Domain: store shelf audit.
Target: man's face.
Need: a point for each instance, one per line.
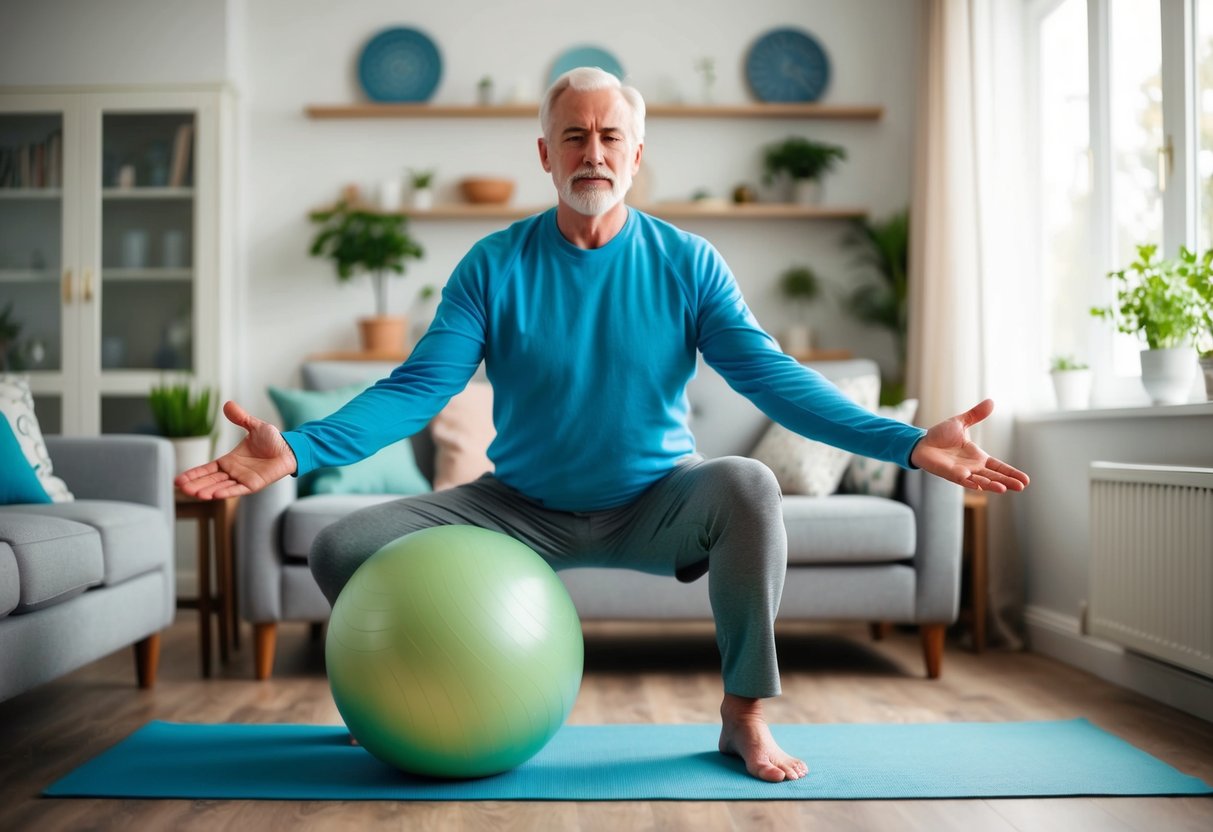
(591, 153)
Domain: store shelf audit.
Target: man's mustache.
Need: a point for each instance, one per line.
(595, 173)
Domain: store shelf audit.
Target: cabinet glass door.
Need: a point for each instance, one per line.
(147, 225)
(31, 234)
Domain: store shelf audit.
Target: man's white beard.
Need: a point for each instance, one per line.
(595, 202)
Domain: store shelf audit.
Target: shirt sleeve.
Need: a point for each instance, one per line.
(795, 396)
(398, 406)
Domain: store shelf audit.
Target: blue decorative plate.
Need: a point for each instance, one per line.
(399, 64)
(585, 56)
(787, 65)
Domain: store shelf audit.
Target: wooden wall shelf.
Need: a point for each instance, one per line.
(812, 111)
(665, 210)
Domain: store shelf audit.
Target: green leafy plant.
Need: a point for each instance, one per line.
(358, 240)
(1198, 271)
(882, 254)
(424, 178)
(1062, 363)
(800, 284)
(800, 158)
(180, 412)
(1160, 299)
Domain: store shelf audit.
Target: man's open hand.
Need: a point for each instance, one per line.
(947, 452)
(261, 458)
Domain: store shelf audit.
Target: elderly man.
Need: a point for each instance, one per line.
(588, 318)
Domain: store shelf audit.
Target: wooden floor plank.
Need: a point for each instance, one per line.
(635, 672)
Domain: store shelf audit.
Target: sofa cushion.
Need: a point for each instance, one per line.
(56, 558)
(390, 470)
(462, 432)
(17, 409)
(806, 466)
(308, 515)
(10, 580)
(134, 537)
(875, 477)
(848, 529)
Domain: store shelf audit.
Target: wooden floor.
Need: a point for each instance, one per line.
(631, 675)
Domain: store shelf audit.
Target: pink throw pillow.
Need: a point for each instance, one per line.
(462, 433)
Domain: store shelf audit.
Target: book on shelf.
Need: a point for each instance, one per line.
(33, 165)
(183, 143)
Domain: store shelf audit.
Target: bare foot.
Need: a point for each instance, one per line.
(744, 733)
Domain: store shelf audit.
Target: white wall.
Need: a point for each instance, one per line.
(115, 42)
(1052, 524)
(306, 52)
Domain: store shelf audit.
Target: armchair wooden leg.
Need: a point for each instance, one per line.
(879, 629)
(265, 636)
(147, 660)
(932, 647)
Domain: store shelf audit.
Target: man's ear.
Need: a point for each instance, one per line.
(543, 156)
(636, 161)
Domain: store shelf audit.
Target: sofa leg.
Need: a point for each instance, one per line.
(932, 647)
(879, 629)
(265, 636)
(147, 660)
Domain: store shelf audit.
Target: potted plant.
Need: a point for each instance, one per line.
(802, 161)
(187, 419)
(1071, 382)
(882, 250)
(1156, 300)
(1200, 278)
(423, 188)
(800, 285)
(484, 91)
(357, 241)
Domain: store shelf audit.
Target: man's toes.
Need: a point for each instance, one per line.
(769, 772)
(794, 769)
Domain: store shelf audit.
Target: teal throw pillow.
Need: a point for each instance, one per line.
(18, 482)
(391, 470)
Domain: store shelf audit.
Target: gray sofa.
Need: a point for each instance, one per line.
(851, 557)
(82, 579)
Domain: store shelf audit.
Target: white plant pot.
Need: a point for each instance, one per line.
(1072, 388)
(190, 452)
(423, 199)
(807, 192)
(797, 338)
(1167, 374)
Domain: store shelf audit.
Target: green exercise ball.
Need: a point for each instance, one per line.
(454, 652)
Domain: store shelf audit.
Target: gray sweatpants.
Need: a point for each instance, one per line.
(719, 516)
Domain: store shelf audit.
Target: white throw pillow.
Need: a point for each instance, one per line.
(872, 476)
(806, 466)
(17, 408)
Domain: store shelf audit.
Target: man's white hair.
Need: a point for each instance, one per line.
(586, 79)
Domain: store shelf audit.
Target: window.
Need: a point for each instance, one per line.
(1123, 157)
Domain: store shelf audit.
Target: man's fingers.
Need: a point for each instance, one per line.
(1012, 477)
(238, 416)
(977, 413)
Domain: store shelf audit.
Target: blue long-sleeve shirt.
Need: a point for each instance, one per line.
(589, 352)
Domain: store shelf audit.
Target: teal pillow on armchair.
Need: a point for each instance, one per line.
(391, 470)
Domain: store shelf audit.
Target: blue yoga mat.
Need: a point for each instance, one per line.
(638, 762)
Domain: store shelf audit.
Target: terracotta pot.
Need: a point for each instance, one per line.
(383, 333)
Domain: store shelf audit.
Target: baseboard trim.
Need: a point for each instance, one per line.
(1060, 637)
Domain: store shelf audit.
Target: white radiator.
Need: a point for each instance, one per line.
(1151, 581)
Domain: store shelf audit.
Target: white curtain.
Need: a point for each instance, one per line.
(974, 329)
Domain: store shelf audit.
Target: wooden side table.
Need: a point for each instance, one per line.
(221, 515)
(973, 563)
